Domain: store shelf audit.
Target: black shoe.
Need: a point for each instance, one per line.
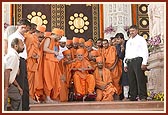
(91, 97)
(78, 97)
(143, 100)
(133, 99)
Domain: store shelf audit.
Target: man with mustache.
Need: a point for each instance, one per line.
(11, 87)
(135, 61)
(23, 26)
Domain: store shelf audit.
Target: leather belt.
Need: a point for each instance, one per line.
(131, 60)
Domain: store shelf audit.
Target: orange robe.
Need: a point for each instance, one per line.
(110, 55)
(66, 72)
(83, 81)
(40, 69)
(86, 53)
(93, 64)
(73, 52)
(28, 40)
(32, 63)
(100, 51)
(106, 81)
(52, 73)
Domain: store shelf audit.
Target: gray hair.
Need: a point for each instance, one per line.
(14, 42)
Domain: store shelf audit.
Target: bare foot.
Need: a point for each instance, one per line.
(125, 99)
(49, 100)
(55, 101)
(37, 98)
(31, 101)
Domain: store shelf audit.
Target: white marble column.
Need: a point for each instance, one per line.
(156, 77)
(156, 13)
(6, 13)
(119, 16)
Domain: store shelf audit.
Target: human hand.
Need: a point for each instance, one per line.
(56, 53)
(73, 60)
(63, 78)
(18, 73)
(20, 90)
(5, 93)
(35, 56)
(103, 87)
(126, 69)
(144, 67)
(81, 69)
(122, 48)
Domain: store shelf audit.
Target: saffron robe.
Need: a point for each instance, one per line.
(109, 57)
(66, 73)
(52, 73)
(83, 81)
(105, 81)
(32, 63)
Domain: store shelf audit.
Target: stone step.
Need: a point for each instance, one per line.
(101, 106)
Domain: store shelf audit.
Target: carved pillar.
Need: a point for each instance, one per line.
(156, 73)
(6, 13)
(156, 18)
(156, 58)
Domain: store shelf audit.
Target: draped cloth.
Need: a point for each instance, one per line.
(83, 81)
(32, 63)
(52, 73)
(66, 73)
(110, 58)
(106, 93)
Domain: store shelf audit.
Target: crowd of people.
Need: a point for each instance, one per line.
(48, 67)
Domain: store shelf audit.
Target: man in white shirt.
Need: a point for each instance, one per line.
(23, 26)
(11, 65)
(62, 47)
(135, 63)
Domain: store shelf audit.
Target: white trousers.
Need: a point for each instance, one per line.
(126, 90)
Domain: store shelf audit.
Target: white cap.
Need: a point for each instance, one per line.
(63, 39)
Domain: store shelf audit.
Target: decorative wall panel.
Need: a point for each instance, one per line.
(60, 16)
(95, 15)
(81, 20)
(77, 20)
(18, 10)
(143, 20)
(35, 13)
